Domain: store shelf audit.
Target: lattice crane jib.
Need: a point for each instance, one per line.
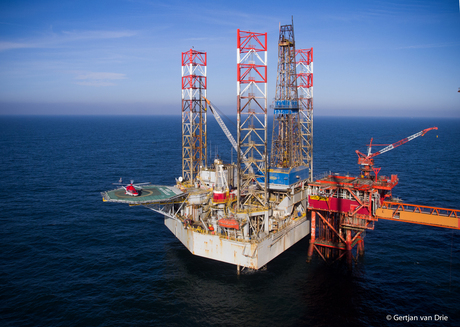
(286, 143)
(252, 119)
(304, 65)
(194, 113)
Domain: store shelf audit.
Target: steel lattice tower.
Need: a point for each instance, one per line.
(194, 149)
(305, 91)
(252, 118)
(286, 144)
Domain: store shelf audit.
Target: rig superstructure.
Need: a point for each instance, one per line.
(248, 213)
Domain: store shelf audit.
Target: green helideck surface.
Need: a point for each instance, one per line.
(148, 194)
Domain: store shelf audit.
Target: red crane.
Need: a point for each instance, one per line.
(367, 161)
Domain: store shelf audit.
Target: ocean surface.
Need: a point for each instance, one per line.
(69, 259)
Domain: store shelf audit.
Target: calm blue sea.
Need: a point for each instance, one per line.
(68, 259)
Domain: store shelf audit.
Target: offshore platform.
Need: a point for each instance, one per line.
(250, 212)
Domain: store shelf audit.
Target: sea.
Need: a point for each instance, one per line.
(69, 259)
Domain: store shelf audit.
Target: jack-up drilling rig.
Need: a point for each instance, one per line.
(275, 202)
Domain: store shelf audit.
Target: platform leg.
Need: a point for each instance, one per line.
(312, 235)
(348, 248)
(361, 247)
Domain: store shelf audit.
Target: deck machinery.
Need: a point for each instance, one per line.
(248, 213)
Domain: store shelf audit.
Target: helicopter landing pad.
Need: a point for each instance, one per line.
(148, 194)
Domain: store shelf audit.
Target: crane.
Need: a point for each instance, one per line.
(367, 161)
(222, 124)
(227, 132)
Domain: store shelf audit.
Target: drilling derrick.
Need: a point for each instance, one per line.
(304, 59)
(193, 114)
(252, 119)
(286, 144)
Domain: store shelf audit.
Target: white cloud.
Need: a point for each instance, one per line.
(98, 78)
(57, 39)
(85, 35)
(14, 45)
(433, 45)
(96, 83)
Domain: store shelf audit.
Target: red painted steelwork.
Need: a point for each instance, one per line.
(336, 205)
(304, 56)
(346, 208)
(195, 58)
(250, 41)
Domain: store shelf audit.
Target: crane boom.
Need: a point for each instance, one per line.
(367, 161)
(226, 131)
(222, 124)
(401, 142)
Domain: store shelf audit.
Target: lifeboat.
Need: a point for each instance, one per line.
(229, 223)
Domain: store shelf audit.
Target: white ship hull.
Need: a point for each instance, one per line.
(247, 254)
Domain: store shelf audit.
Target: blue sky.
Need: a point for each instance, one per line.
(371, 58)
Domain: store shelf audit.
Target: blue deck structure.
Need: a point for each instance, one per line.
(284, 178)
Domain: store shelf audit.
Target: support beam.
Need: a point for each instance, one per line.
(312, 235)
